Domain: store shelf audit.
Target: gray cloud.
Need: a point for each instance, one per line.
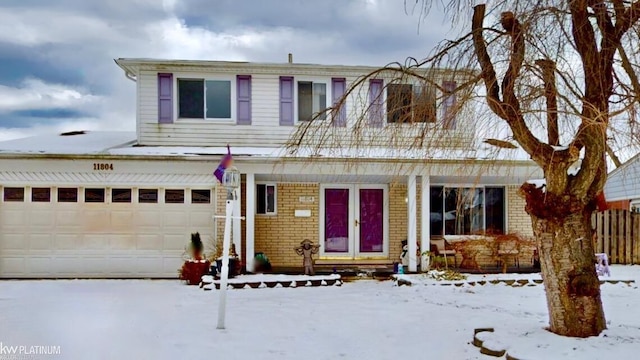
(69, 45)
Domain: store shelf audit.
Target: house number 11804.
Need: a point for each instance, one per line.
(102, 166)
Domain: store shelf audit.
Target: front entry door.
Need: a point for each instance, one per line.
(354, 221)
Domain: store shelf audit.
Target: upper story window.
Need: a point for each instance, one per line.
(312, 99)
(409, 103)
(204, 99)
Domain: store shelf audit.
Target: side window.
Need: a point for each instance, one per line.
(148, 196)
(174, 196)
(94, 195)
(266, 199)
(40, 194)
(201, 196)
(120, 195)
(13, 194)
(67, 195)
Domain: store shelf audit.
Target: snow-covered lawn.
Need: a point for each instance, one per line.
(367, 319)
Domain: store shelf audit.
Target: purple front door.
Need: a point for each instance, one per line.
(336, 220)
(354, 221)
(371, 220)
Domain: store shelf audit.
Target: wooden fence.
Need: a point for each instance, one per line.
(618, 235)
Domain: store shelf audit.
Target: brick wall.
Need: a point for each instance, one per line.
(277, 235)
(517, 219)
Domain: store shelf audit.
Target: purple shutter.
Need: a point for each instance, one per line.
(165, 98)
(375, 102)
(338, 88)
(286, 100)
(244, 99)
(449, 108)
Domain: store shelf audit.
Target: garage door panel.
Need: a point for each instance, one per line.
(95, 266)
(149, 241)
(13, 216)
(176, 242)
(40, 265)
(66, 241)
(122, 242)
(42, 218)
(10, 241)
(175, 218)
(122, 221)
(41, 242)
(67, 266)
(13, 266)
(70, 218)
(148, 265)
(148, 218)
(95, 242)
(201, 218)
(170, 265)
(96, 221)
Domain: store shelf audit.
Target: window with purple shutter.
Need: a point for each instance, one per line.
(338, 88)
(165, 98)
(449, 105)
(286, 100)
(244, 99)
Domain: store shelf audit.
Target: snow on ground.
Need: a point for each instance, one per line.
(365, 319)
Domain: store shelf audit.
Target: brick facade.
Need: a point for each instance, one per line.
(277, 235)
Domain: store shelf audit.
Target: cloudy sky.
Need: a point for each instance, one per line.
(58, 73)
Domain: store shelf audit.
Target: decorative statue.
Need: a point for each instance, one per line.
(306, 250)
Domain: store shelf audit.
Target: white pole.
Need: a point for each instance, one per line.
(225, 260)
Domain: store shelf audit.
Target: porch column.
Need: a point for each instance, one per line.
(425, 220)
(237, 229)
(250, 217)
(412, 223)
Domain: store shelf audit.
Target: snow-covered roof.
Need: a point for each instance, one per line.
(124, 144)
(72, 143)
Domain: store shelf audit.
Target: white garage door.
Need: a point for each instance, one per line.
(99, 232)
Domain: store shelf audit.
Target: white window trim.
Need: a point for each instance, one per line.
(275, 199)
(191, 76)
(324, 80)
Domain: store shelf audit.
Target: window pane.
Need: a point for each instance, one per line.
(40, 195)
(13, 194)
(320, 100)
(218, 99)
(67, 195)
(436, 210)
(174, 196)
(191, 99)
(148, 196)
(305, 100)
(424, 106)
(121, 195)
(494, 198)
(94, 195)
(399, 103)
(200, 196)
(464, 211)
(271, 199)
(261, 206)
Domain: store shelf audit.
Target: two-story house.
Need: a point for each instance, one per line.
(92, 204)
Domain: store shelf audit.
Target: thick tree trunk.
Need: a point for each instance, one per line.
(568, 270)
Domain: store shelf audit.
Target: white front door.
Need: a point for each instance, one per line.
(354, 221)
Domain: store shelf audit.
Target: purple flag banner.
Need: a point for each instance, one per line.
(224, 164)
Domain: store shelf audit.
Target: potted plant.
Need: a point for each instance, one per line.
(195, 265)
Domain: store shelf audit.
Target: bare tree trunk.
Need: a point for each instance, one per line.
(568, 270)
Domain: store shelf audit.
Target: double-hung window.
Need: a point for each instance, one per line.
(409, 103)
(205, 98)
(312, 100)
(467, 211)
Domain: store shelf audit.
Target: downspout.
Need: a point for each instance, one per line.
(130, 76)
